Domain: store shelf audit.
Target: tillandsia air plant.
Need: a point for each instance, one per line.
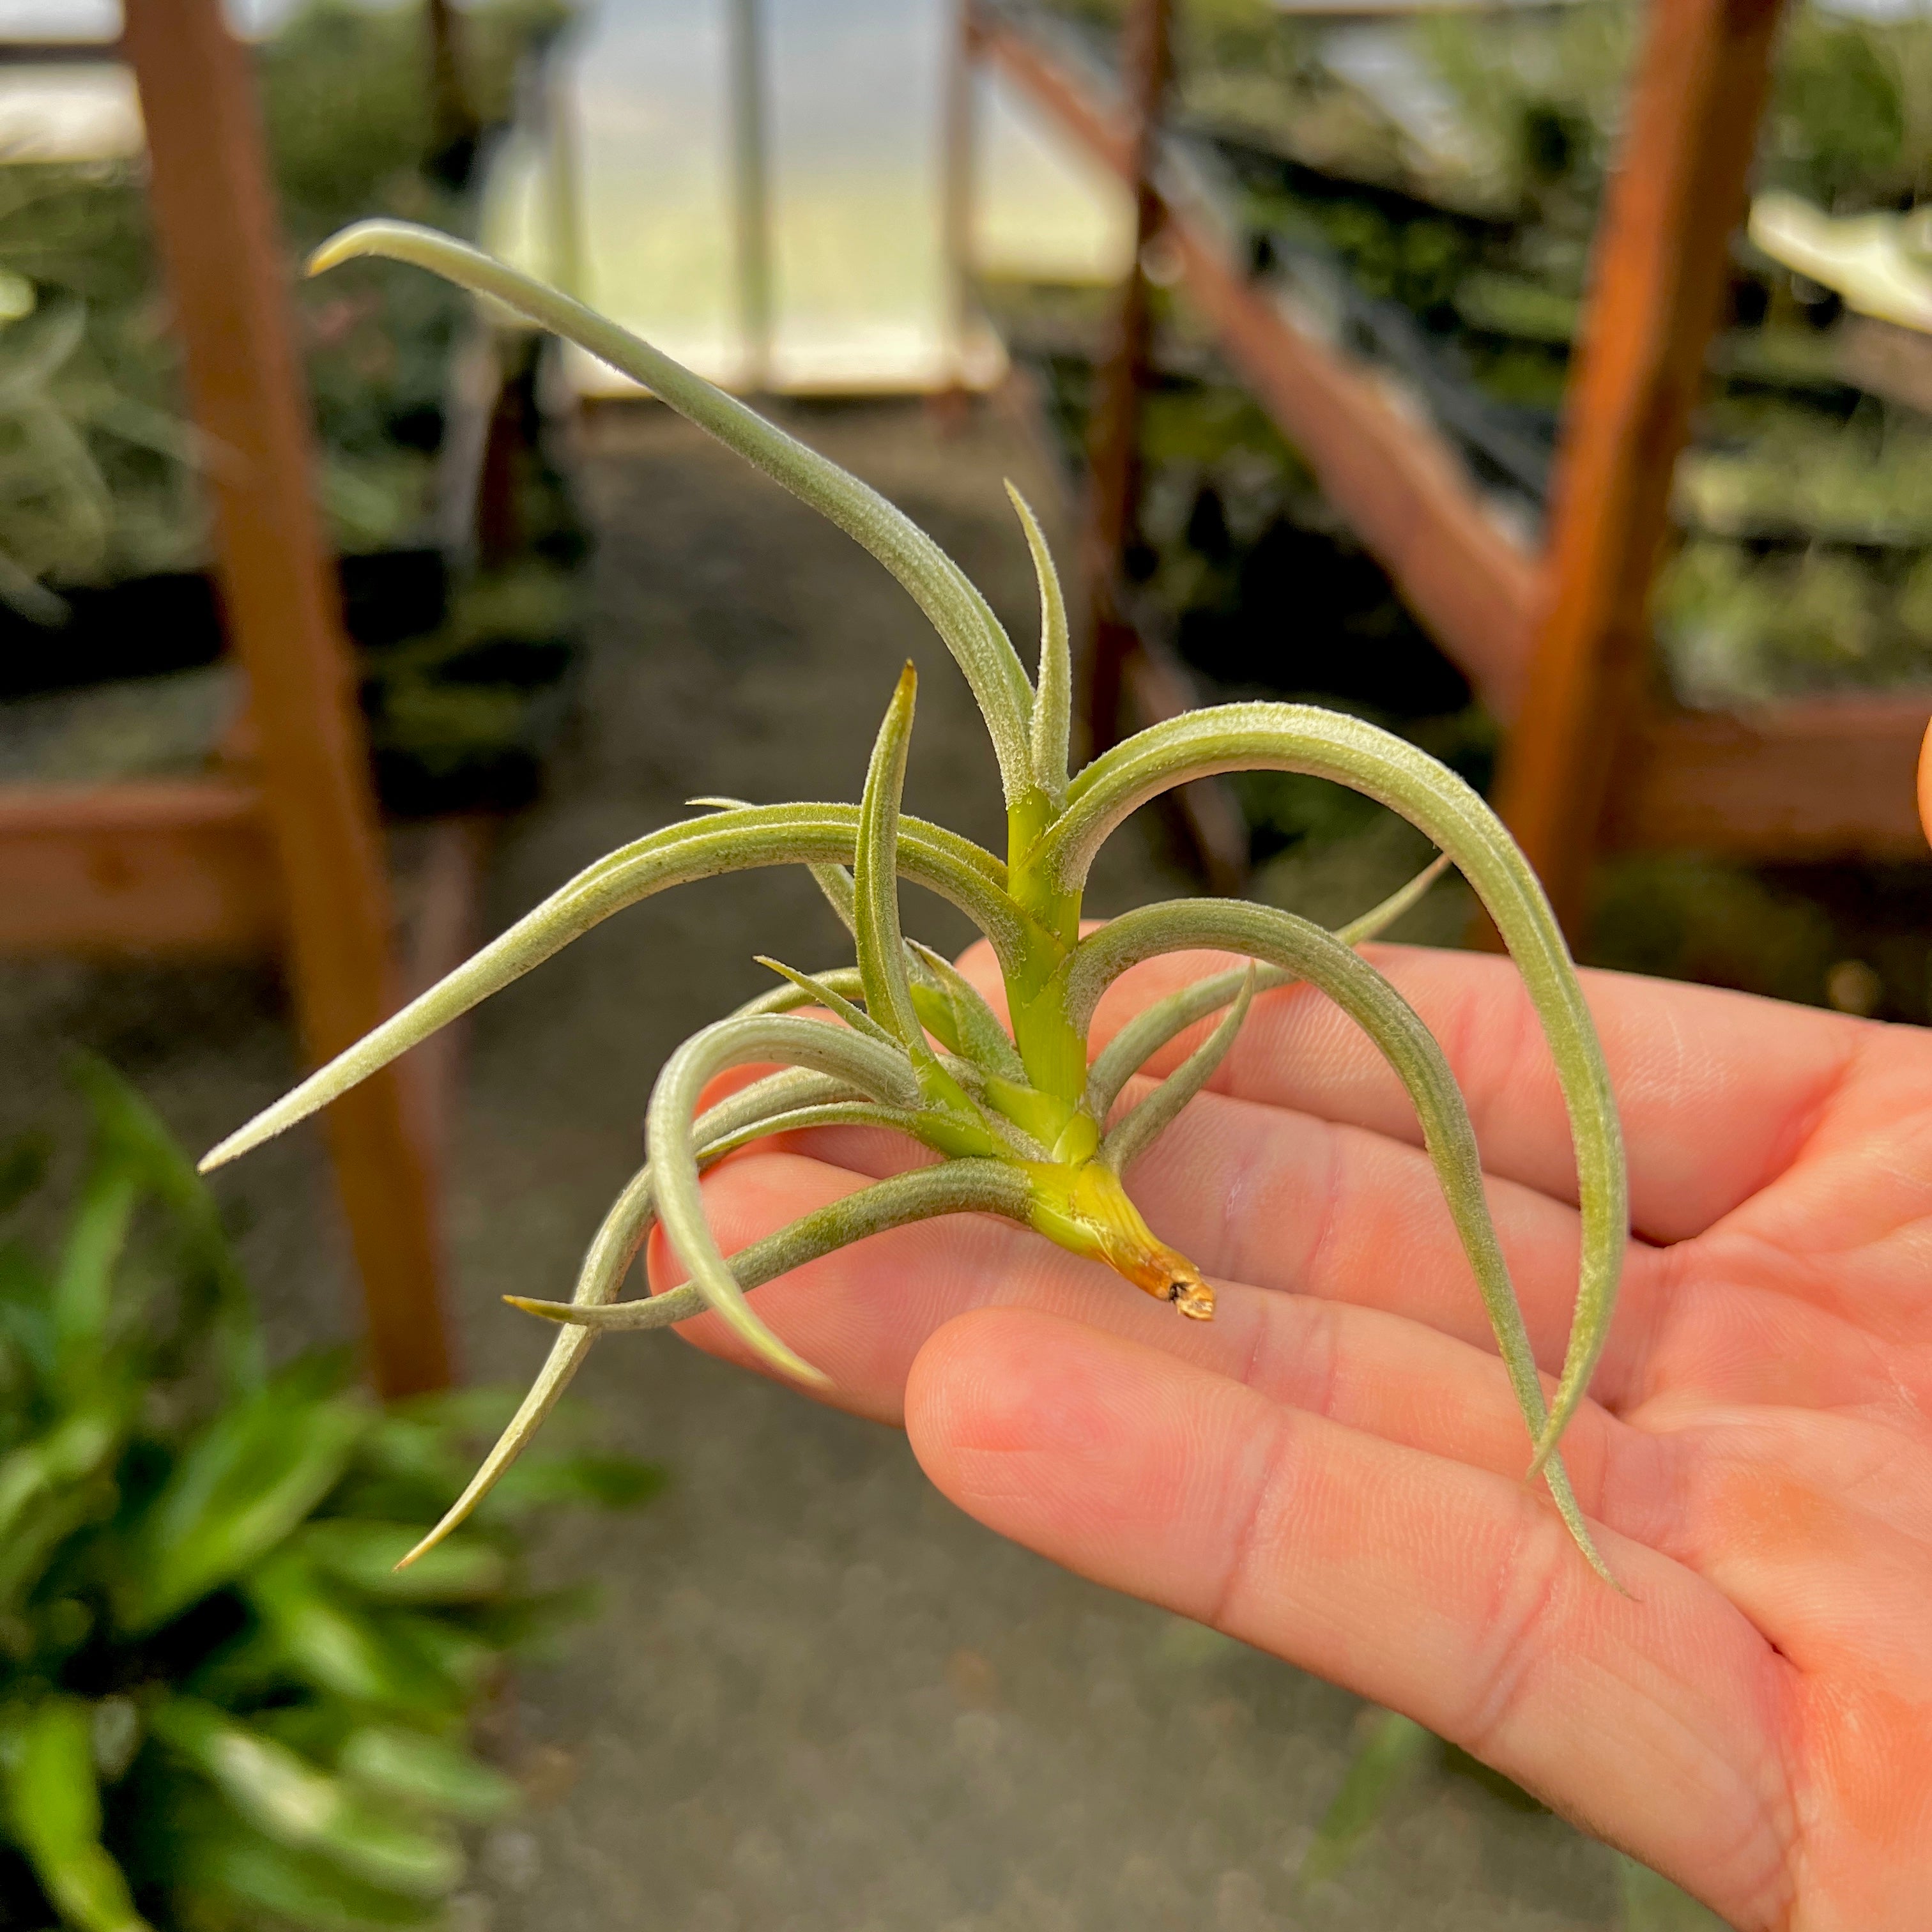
(1024, 1123)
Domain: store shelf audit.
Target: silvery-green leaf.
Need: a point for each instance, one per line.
(875, 877)
(1282, 940)
(982, 1039)
(1053, 694)
(616, 1244)
(1150, 1029)
(1133, 1135)
(874, 1069)
(736, 840)
(1302, 738)
(961, 616)
(953, 1187)
(821, 991)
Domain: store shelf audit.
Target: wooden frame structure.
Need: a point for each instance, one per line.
(1556, 644)
(280, 849)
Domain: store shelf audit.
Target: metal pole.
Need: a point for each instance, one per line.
(751, 184)
(956, 191)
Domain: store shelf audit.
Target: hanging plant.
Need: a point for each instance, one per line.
(1024, 1125)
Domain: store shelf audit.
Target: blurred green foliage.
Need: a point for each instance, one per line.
(220, 1702)
(1849, 125)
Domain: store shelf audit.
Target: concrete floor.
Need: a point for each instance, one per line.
(817, 1699)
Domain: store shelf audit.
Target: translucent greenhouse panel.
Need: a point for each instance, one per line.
(63, 113)
(861, 294)
(1043, 210)
(646, 138)
(631, 197)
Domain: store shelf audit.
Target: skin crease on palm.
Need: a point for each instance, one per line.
(1332, 1471)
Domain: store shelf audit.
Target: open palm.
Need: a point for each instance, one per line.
(1331, 1470)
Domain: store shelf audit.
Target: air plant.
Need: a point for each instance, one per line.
(1023, 1124)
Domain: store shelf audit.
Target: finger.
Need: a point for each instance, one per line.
(1435, 1588)
(1285, 1201)
(1763, 1504)
(863, 1313)
(1290, 1202)
(1716, 1091)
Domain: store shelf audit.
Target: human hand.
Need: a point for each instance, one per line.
(1331, 1470)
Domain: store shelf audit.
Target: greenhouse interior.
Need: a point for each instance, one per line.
(1496, 431)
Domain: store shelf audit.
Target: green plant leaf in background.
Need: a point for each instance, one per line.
(1392, 1750)
(257, 1470)
(53, 1812)
(298, 1805)
(284, 1740)
(364, 1555)
(424, 1771)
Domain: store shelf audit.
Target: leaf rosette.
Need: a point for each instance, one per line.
(1025, 1123)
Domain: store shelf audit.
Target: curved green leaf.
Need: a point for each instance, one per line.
(1132, 1136)
(962, 1186)
(1301, 738)
(613, 1248)
(1282, 940)
(738, 841)
(1150, 1029)
(875, 877)
(1050, 740)
(961, 616)
(873, 1069)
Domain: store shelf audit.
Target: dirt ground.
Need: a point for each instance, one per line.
(817, 1699)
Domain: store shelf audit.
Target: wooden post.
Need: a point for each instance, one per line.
(1659, 271)
(213, 212)
(453, 124)
(1113, 436)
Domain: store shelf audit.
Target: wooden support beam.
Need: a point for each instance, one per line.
(443, 931)
(1156, 687)
(208, 189)
(1824, 779)
(1403, 490)
(180, 866)
(1113, 425)
(1659, 267)
(1925, 784)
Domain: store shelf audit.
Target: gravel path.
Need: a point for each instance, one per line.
(817, 1699)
